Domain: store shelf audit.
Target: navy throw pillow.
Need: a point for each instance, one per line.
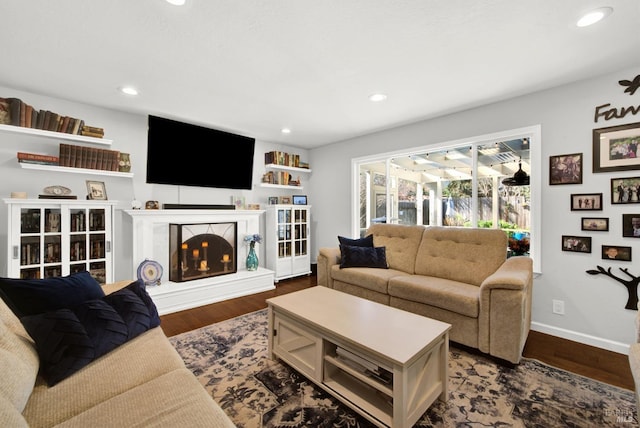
(68, 339)
(35, 296)
(372, 257)
(367, 241)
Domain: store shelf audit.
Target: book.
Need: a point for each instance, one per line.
(5, 118)
(24, 156)
(57, 197)
(15, 105)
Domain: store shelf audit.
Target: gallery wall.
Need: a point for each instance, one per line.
(595, 311)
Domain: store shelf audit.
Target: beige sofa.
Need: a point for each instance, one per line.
(457, 275)
(144, 382)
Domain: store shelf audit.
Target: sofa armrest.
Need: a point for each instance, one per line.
(327, 257)
(505, 309)
(115, 286)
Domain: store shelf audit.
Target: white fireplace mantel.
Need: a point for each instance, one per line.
(150, 240)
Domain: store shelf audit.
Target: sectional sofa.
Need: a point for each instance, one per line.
(140, 382)
(461, 276)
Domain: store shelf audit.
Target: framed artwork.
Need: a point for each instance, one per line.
(615, 148)
(96, 190)
(576, 244)
(238, 202)
(586, 202)
(615, 252)
(595, 224)
(299, 200)
(285, 200)
(565, 169)
(631, 225)
(273, 200)
(625, 190)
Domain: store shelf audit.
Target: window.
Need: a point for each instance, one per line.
(458, 184)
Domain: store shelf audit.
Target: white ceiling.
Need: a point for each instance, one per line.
(256, 66)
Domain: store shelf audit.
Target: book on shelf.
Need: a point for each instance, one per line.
(57, 197)
(15, 105)
(5, 118)
(38, 158)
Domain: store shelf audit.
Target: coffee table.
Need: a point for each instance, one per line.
(387, 364)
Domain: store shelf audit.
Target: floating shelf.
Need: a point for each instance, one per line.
(274, 166)
(280, 186)
(43, 167)
(55, 135)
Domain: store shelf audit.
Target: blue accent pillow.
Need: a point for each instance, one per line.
(68, 339)
(372, 257)
(367, 241)
(35, 296)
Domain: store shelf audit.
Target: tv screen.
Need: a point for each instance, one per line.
(190, 155)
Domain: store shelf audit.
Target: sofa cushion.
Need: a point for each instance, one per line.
(446, 294)
(70, 338)
(372, 279)
(355, 256)
(35, 296)
(401, 243)
(461, 254)
(367, 241)
(136, 362)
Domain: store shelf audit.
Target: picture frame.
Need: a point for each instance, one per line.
(285, 200)
(616, 252)
(595, 224)
(586, 202)
(238, 202)
(565, 169)
(616, 148)
(625, 190)
(273, 200)
(576, 244)
(631, 225)
(299, 199)
(96, 190)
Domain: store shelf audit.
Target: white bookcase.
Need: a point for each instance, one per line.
(288, 240)
(55, 237)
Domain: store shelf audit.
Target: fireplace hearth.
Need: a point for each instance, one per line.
(202, 250)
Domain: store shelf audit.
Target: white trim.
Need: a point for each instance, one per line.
(586, 339)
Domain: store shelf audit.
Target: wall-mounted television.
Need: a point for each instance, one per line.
(191, 155)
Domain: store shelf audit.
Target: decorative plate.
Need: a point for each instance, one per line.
(56, 190)
(150, 272)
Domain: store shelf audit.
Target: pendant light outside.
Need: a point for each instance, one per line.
(520, 178)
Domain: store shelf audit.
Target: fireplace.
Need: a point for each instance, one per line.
(202, 250)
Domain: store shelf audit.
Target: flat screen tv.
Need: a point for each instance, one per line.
(190, 155)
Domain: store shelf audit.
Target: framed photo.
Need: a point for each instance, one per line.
(96, 190)
(615, 148)
(595, 224)
(273, 200)
(614, 252)
(576, 244)
(285, 200)
(565, 169)
(631, 225)
(586, 202)
(625, 190)
(238, 202)
(299, 199)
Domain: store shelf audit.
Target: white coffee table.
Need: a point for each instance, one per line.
(313, 329)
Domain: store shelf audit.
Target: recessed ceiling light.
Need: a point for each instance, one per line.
(594, 16)
(129, 90)
(377, 97)
(177, 2)
(285, 131)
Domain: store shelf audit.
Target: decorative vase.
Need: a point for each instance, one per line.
(252, 258)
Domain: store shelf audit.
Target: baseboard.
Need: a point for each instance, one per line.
(598, 342)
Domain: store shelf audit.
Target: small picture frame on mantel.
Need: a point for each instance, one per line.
(96, 190)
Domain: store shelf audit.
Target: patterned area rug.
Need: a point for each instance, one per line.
(230, 360)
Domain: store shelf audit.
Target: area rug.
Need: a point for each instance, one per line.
(230, 360)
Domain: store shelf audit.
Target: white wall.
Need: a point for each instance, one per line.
(594, 305)
(129, 134)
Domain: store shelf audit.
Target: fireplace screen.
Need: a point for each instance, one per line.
(202, 250)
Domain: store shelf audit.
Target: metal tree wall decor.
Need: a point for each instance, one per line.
(630, 284)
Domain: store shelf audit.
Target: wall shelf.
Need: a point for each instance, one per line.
(67, 169)
(54, 135)
(273, 166)
(279, 186)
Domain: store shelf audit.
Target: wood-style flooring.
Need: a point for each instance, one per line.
(605, 366)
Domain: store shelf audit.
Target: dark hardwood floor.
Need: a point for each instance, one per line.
(605, 366)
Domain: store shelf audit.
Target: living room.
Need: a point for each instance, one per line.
(594, 306)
